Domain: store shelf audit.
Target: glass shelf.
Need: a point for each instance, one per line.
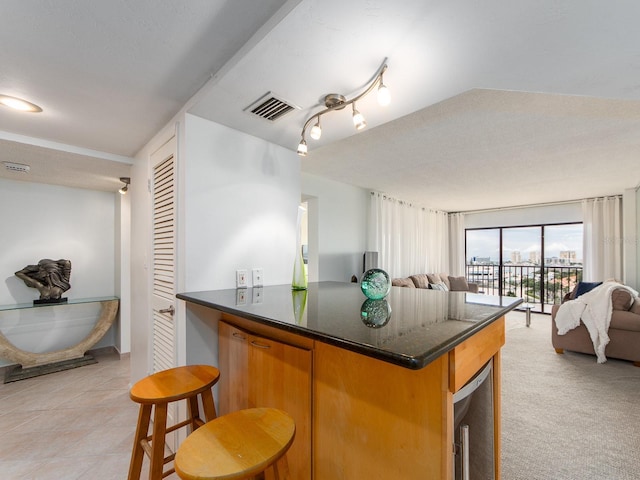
(71, 301)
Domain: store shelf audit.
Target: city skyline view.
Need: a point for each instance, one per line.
(524, 244)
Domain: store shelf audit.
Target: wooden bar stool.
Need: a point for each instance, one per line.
(157, 391)
(239, 445)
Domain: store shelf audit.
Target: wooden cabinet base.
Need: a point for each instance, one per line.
(370, 419)
(374, 420)
(257, 371)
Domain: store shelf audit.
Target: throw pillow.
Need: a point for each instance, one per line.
(434, 278)
(403, 282)
(584, 287)
(420, 280)
(458, 284)
(445, 279)
(571, 295)
(439, 286)
(621, 300)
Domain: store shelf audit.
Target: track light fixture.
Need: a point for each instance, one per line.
(125, 187)
(335, 101)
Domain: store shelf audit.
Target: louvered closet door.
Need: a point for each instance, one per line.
(163, 296)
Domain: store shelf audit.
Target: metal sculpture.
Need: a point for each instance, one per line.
(50, 277)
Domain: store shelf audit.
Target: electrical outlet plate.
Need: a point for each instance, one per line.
(241, 296)
(257, 277)
(241, 278)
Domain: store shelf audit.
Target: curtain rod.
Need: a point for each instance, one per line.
(549, 204)
(404, 202)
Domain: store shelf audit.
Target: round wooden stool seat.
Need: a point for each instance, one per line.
(239, 445)
(156, 392)
(174, 384)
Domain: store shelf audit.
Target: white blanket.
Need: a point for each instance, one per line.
(594, 309)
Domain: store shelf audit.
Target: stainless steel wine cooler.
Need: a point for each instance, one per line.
(473, 428)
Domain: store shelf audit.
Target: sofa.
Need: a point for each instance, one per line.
(436, 281)
(624, 330)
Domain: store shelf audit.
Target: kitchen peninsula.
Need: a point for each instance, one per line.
(370, 400)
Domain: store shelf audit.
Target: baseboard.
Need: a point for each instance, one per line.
(110, 350)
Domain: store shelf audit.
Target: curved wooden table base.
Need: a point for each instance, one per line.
(29, 359)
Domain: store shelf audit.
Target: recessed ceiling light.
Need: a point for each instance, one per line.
(19, 104)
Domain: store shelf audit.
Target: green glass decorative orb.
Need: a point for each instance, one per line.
(375, 284)
(375, 313)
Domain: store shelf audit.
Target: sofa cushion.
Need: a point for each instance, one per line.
(445, 279)
(625, 321)
(402, 282)
(621, 299)
(434, 278)
(458, 284)
(439, 286)
(635, 307)
(584, 287)
(420, 280)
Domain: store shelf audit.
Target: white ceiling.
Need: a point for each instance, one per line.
(494, 103)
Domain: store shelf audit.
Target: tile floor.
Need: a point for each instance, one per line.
(71, 425)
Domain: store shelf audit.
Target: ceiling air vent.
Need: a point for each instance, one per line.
(270, 107)
(17, 167)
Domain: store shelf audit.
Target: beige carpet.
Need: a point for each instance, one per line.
(566, 417)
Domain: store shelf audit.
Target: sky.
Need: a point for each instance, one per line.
(486, 242)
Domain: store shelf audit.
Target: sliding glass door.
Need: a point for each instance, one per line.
(539, 263)
(521, 254)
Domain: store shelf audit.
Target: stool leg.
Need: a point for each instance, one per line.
(278, 471)
(193, 411)
(157, 442)
(208, 405)
(137, 454)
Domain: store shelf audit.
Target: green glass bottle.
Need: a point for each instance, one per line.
(299, 272)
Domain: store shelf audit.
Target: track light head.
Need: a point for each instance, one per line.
(384, 96)
(316, 131)
(302, 148)
(358, 119)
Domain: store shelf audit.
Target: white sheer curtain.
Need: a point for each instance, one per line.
(457, 259)
(602, 239)
(408, 239)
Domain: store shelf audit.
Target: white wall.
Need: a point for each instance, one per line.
(338, 215)
(237, 207)
(122, 238)
(48, 221)
(241, 197)
(240, 204)
(140, 199)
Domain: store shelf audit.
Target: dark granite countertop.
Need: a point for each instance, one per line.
(424, 324)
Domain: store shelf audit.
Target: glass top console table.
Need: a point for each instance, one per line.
(32, 360)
